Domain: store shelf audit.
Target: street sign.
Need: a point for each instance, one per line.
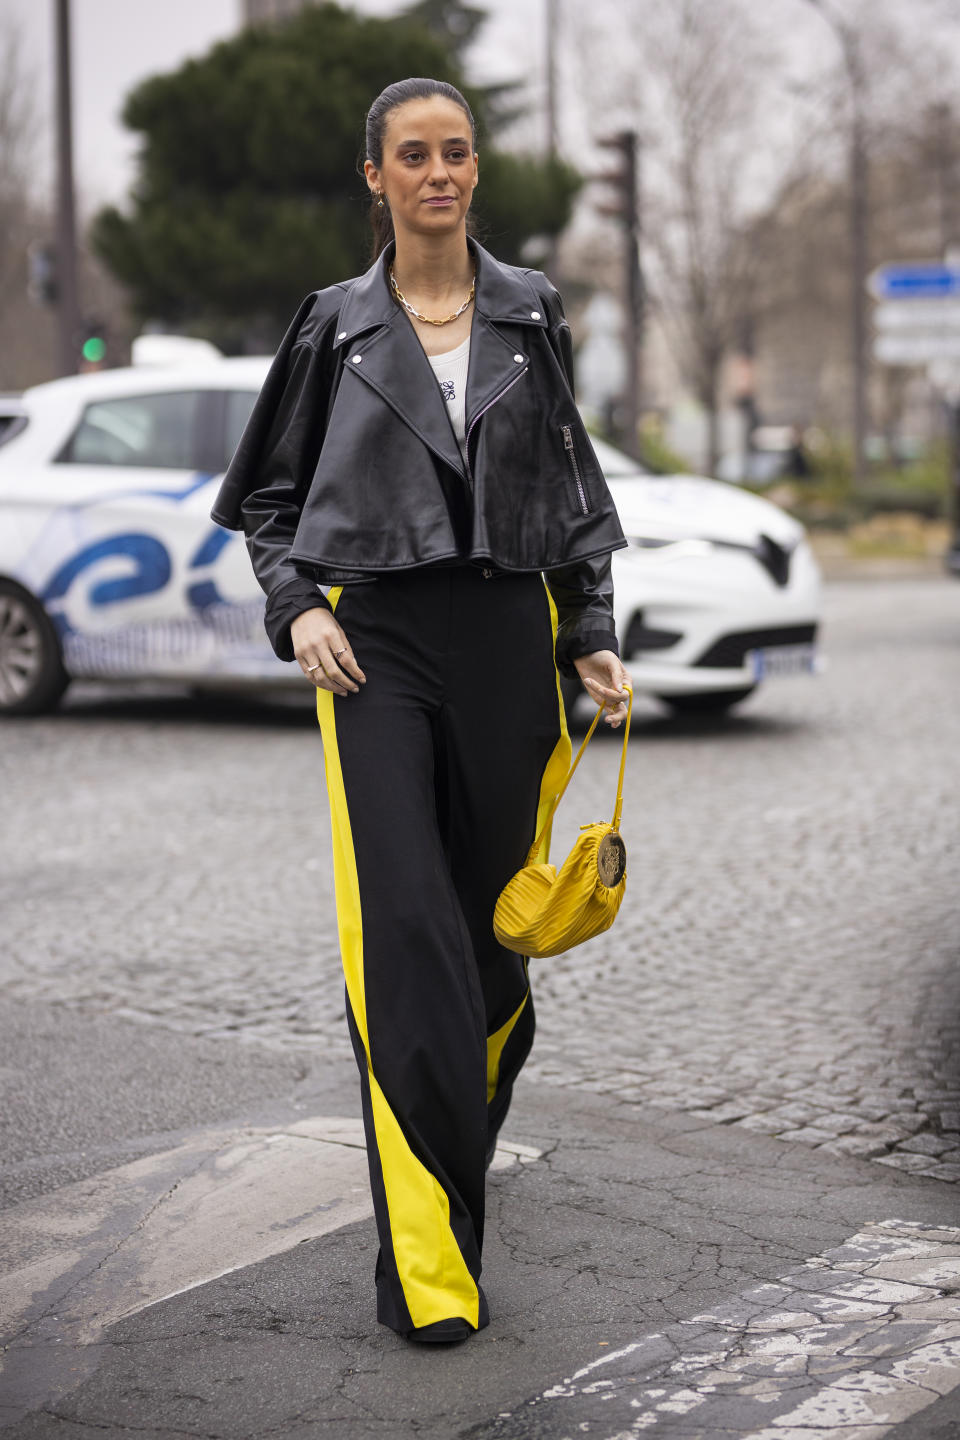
(923, 280)
(918, 316)
(945, 375)
(916, 349)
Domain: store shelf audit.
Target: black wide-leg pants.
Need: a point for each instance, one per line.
(436, 771)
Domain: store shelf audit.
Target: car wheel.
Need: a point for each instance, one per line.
(32, 677)
(708, 702)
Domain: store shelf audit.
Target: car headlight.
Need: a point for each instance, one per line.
(774, 556)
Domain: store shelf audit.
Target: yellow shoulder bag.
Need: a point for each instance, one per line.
(540, 912)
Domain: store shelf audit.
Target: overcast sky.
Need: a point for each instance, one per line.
(116, 43)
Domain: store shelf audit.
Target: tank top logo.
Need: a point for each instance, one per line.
(447, 389)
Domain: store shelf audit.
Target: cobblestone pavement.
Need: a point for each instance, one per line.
(786, 959)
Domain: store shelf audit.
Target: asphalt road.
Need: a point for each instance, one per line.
(771, 1031)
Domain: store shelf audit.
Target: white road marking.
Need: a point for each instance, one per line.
(848, 1345)
(90, 1253)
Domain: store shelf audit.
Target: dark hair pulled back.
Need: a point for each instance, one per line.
(416, 88)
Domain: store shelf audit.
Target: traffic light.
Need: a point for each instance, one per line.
(42, 272)
(93, 346)
(623, 180)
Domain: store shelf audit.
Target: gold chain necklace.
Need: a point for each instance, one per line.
(426, 318)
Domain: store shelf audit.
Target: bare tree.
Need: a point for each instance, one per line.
(27, 327)
(811, 256)
(746, 113)
(18, 130)
(693, 77)
(26, 330)
(803, 242)
(705, 71)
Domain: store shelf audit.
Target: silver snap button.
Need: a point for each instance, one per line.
(534, 314)
(519, 359)
(342, 335)
(356, 359)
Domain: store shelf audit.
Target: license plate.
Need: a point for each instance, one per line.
(782, 660)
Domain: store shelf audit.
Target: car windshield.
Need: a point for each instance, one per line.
(12, 418)
(155, 430)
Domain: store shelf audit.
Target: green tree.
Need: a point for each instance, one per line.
(250, 191)
(454, 22)
(457, 24)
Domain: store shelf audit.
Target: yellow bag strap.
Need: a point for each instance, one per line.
(618, 809)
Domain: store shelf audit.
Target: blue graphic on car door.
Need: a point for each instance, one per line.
(203, 593)
(152, 570)
(99, 595)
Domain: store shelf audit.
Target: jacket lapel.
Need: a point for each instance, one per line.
(381, 346)
(495, 363)
(504, 296)
(394, 363)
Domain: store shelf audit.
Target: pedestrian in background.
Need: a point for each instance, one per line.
(428, 520)
(798, 463)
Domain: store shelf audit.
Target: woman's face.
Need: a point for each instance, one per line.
(429, 169)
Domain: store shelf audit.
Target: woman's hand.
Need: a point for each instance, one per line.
(324, 652)
(606, 681)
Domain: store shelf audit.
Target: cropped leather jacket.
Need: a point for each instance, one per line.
(349, 467)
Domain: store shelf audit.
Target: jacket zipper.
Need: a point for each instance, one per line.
(499, 396)
(568, 445)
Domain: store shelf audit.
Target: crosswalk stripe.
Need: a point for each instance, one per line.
(94, 1251)
(848, 1345)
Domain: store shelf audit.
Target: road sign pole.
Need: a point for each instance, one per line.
(626, 182)
(634, 292)
(858, 246)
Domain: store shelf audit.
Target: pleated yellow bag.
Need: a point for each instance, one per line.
(540, 912)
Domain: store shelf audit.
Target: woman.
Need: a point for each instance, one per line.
(414, 470)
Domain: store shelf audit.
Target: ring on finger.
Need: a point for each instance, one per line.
(338, 653)
(311, 668)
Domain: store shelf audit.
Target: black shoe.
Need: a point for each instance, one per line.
(441, 1332)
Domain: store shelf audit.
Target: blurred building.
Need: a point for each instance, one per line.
(802, 319)
(790, 364)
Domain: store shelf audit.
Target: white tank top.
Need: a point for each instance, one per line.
(450, 369)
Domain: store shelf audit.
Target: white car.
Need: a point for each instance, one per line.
(717, 590)
(110, 567)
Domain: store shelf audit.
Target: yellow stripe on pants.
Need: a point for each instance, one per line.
(436, 1282)
(495, 1044)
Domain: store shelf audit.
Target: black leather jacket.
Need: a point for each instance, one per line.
(349, 467)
